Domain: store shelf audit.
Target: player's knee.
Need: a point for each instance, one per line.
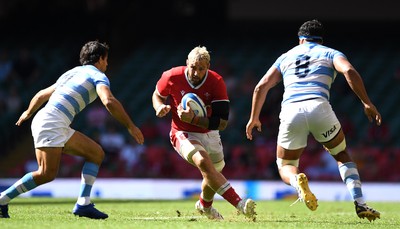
(337, 149)
(97, 155)
(204, 164)
(282, 162)
(101, 155)
(97, 147)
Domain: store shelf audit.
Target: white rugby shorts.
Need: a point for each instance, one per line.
(50, 128)
(298, 120)
(210, 141)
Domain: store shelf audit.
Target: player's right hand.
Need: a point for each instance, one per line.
(163, 110)
(136, 134)
(372, 114)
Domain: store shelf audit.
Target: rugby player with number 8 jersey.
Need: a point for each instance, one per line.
(307, 72)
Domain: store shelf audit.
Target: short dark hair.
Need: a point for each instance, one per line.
(92, 51)
(312, 30)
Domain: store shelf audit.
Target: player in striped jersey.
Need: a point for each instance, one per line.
(53, 136)
(307, 71)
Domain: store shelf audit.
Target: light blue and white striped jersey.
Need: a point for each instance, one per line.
(76, 88)
(307, 72)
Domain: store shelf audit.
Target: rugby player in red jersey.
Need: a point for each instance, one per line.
(195, 138)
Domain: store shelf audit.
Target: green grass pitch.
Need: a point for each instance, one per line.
(45, 213)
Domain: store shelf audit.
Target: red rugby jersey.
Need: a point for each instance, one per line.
(174, 83)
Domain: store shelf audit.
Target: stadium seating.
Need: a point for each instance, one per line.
(244, 60)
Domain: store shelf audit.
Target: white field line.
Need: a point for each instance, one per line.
(167, 218)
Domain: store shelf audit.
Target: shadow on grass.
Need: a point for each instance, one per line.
(28, 201)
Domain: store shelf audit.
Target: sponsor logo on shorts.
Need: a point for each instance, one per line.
(329, 132)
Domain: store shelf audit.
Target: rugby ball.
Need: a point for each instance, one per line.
(195, 103)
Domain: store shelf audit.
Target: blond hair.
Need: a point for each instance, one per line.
(199, 53)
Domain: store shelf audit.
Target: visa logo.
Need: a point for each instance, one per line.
(329, 132)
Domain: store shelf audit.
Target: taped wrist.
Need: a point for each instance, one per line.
(195, 120)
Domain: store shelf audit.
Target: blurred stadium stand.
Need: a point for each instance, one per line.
(146, 40)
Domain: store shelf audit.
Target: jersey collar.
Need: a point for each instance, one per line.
(198, 86)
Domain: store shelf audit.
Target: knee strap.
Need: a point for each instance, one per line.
(281, 162)
(188, 149)
(339, 148)
(219, 165)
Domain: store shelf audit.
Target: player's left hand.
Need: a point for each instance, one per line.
(25, 116)
(185, 115)
(249, 128)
